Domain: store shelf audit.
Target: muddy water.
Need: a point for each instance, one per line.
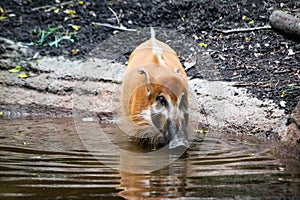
(46, 159)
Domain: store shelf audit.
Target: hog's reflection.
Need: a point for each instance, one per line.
(115, 150)
(139, 185)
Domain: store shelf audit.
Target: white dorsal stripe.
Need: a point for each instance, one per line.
(157, 50)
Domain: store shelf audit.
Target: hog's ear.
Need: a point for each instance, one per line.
(183, 104)
(147, 80)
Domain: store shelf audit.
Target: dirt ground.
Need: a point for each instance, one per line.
(264, 62)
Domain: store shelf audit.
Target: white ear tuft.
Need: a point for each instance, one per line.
(152, 33)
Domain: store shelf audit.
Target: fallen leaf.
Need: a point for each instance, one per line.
(75, 27)
(248, 38)
(283, 93)
(72, 13)
(56, 10)
(2, 10)
(16, 69)
(80, 2)
(3, 18)
(251, 154)
(245, 18)
(251, 22)
(201, 44)
(75, 51)
(1, 113)
(22, 75)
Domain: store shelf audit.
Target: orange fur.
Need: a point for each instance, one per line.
(166, 75)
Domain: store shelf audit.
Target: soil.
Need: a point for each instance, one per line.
(264, 62)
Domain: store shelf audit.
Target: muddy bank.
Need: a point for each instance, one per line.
(62, 88)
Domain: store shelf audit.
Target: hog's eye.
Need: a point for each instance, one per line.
(161, 100)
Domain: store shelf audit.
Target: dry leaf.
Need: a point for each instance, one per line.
(201, 44)
(245, 18)
(75, 51)
(23, 75)
(75, 27)
(72, 13)
(16, 69)
(283, 93)
(251, 22)
(2, 10)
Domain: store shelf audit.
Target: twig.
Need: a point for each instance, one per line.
(52, 6)
(243, 84)
(115, 14)
(261, 84)
(121, 27)
(267, 27)
(282, 72)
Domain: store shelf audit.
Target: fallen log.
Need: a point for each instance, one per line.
(285, 24)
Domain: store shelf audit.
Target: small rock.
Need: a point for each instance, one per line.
(291, 52)
(282, 104)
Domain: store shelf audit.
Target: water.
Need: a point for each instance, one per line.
(46, 159)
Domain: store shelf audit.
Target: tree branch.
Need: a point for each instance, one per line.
(285, 24)
(238, 30)
(121, 27)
